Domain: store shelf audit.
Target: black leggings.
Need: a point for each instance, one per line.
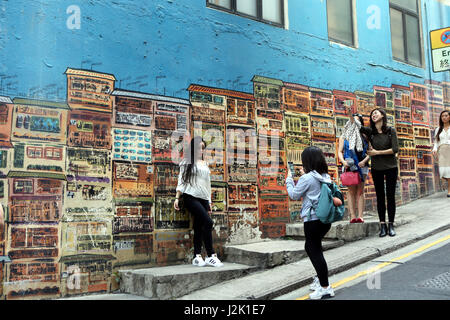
(202, 223)
(314, 233)
(391, 183)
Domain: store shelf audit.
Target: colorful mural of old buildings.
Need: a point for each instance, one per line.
(87, 185)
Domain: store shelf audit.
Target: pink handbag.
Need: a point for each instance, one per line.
(350, 178)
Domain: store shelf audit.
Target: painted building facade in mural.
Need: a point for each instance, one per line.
(104, 200)
(87, 182)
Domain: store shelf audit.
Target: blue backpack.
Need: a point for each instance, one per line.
(325, 209)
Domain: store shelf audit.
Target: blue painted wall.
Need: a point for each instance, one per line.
(162, 46)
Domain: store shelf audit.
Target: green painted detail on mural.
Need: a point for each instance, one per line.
(42, 167)
(133, 200)
(48, 175)
(19, 154)
(266, 80)
(87, 257)
(41, 103)
(364, 93)
(218, 184)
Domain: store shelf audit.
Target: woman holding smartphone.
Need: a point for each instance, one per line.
(308, 187)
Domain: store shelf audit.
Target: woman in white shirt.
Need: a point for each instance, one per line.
(442, 147)
(194, 185)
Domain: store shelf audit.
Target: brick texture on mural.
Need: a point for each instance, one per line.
(87, 185)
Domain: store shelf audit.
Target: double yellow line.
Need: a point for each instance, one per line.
(382, 265)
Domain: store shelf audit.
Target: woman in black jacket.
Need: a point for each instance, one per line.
(382, 150)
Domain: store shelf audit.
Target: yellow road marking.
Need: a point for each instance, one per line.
(381, 265)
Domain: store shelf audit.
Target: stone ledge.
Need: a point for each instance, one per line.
(165, 283)
(269, 254)
(344, 230)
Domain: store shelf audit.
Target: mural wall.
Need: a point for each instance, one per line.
(88, 185)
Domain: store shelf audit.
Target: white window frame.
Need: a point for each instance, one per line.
(259, 16)
(418, 15)
(353, 25)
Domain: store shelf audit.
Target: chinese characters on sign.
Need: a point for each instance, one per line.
(440, 49)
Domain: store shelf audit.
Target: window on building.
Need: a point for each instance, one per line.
(405, 31)
(2, 190)
(19, 154)
(34, 152)
(340, 21)
(267, 11)
(23, 186)
(3, 158)
(53, 153)
(3, 114)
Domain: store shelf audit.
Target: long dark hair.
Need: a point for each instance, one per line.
(190, 158)
(314, 159)
(383, 126)
(441, 124)
(360, 118)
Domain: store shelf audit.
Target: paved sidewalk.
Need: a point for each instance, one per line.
(430, 215)
(424, 217)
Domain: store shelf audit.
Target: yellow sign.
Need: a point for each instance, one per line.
(440, 38)
(440, 49)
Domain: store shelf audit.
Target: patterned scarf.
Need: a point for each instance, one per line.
(351, 133)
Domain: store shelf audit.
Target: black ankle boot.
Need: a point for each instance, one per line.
(383, 230)
(391, 229)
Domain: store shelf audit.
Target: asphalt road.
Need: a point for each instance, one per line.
(420, 271)
(426, 277)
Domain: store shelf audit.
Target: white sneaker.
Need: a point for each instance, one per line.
(198, 261)
(322, 293)
(315, 285)
(213, 261)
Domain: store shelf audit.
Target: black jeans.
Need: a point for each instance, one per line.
(314, 233)
(202, 223)
(391, 183)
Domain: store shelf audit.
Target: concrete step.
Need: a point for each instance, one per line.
(107, 296)
(171, 282)
(348, 232)
(166, 283)
(273, 282)
(271, 253)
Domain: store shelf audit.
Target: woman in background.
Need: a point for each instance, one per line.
(441, 148)
(353, 155)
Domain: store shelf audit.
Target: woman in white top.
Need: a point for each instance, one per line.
(194, 184)
(442, 147)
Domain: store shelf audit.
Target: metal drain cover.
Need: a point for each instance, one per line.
(441, 282)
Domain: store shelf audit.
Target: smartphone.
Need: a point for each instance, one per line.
(291, 167)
